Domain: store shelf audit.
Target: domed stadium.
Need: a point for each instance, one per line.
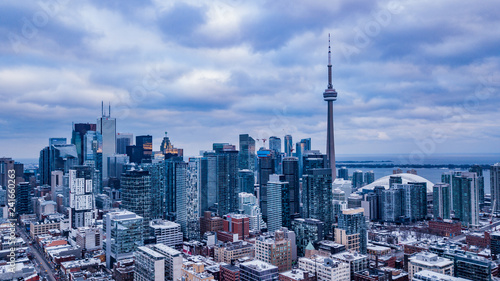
(406, 178)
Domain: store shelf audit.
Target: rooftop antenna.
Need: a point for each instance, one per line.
(102, 108)
(109, 112)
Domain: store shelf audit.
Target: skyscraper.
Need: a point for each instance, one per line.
(441, 200)
(247, 153)
(495, 185)
(288, 145)
(246, 181)
(122, 141)
(81, 200)
(107, 127)
(466, 198)
(77, 137)
(275, 146)
(124, 234)
(227, 178)
(208, 181)
(145, 146)
(291, 173)
(351, 230)
(266, 168)
(369, 177)
(168, 149)
(330, 95)
(357, 179)
(136, 195)
(317, 196)
(480, 183)
(344, 173)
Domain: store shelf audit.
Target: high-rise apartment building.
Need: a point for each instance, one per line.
(351, 230)
(81, 199)
(495, 185)
(249, 205)
(291, 173)
(318, 197)
(266, 167)
(136, 195)
(357, 179)
(124, 233)
(441, 200)
(227, 177)
(246, 181)
(307, 231)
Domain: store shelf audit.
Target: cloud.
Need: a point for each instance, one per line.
(206, 72)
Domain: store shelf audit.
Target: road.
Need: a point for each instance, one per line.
(47, 271)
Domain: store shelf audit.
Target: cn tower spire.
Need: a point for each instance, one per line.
(330, 95)
(330, 85)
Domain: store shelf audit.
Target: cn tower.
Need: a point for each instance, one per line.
(330, 95)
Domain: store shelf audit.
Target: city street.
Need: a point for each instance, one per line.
(43, 265)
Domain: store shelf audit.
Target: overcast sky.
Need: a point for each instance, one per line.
(413, 77)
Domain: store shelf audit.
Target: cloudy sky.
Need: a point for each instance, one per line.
(413, 77)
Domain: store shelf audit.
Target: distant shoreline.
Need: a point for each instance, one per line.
(387, 164)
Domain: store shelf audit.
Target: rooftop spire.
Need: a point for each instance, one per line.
(330, 85)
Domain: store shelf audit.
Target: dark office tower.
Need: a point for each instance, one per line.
(168, 149)
(317, 196)
(441, 200)
(122, 141)
(158, 180)
(134, 154)
(480, 183)
(246, 181)
(369, 177)
(227, 178)
(344, 173)
(208, 181)
(291, 173)
(466, 198)
(288, 145)
(395, 180)
(495, 186)
(357, 179)
(23, 199)
(136, 195)
(77, 137)
(247, 153)
(145, 146)
(265, 169)
(81, 200)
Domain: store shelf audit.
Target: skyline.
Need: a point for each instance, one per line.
(209, 72)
